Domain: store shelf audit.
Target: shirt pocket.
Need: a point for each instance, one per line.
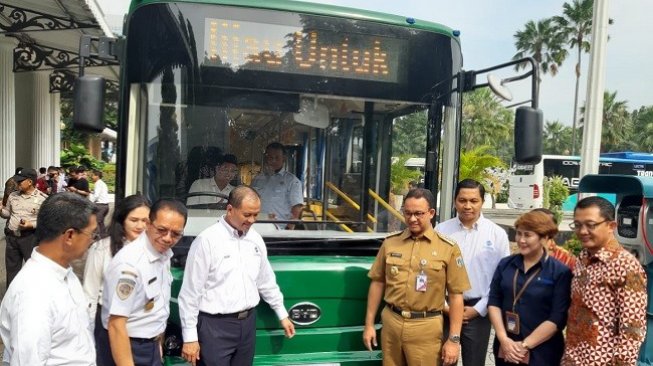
(435, 271)
(396, 271)
(253, 265)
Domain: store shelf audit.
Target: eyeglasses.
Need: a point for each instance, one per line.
(577, 226)
(95, 236)
(162, 231)
(418, 214)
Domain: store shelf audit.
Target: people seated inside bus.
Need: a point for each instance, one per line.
(280, 191)
(200, 164)
(225, 171)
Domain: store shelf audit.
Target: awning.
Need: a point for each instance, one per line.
(48, 33)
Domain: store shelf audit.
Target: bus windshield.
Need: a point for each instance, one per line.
(208, 83)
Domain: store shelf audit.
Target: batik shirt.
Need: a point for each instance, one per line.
(607, 317)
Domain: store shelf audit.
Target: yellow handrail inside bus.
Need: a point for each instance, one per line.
(387, 206)
(342, 226)
(350, 201)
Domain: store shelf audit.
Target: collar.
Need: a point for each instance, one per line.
(231, 230)
(28, 195)
(519, 261)
(604, 254)
(474, 226)
(429, 234)
(281, 171)
(152, 254)
(60, 272)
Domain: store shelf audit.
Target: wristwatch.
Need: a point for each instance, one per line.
(455, 338)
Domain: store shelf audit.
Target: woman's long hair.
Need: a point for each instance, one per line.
(122, 210)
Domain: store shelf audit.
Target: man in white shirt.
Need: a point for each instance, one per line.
(100, 196)
(136, 291)
(280, 191)
(227, 272)
(483, 244)
(44, 317)
(225, 172)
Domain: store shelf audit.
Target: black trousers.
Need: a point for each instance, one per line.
(19, 249)
(144, 352)
(226, 341)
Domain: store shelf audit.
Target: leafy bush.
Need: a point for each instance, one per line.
(555, 194)
(109, 176)
(573, 245)
(77, 155)
(400, 176)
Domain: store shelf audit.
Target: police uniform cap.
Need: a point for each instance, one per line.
(26, 174)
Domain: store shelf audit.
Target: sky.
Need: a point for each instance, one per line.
(487, 36)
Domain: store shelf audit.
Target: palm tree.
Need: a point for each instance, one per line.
(485, 122)
(557, 138)
(541, 41)
(617, 125)
(576, 26)
(643, 124)
(477, 164)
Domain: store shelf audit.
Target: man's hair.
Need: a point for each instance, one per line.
(539, 222)
(548, 212)
(63, 211)
(229, 158)
(117, 226)
(52, 167)
(80, 169)
(276, 146)
(238, 194)
(470, 184)
(42, 170)
(606, 209)
(168, 204)
(422, 193)
(98, 173)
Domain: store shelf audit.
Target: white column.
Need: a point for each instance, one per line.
(42, 131)
(55, 105)
(7, 111)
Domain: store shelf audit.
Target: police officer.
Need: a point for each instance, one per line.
(136, 291)
(22, 210)
(227, 272)
(413, 270)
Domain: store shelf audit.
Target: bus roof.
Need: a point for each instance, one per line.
(622, 157)
(316, 9)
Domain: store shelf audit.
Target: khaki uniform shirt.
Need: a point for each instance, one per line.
(23, 206)
(402, 258)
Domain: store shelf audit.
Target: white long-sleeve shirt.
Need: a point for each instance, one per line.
(482, 246)
(97, 261)
(100, 192)
(44, 317)
(226, 273)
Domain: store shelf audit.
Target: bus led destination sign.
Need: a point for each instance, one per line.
(248, 45)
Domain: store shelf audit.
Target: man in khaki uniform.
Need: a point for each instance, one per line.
(22, 209)
(415, 269)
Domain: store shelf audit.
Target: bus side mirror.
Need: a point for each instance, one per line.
(88, 107)
(528, 135)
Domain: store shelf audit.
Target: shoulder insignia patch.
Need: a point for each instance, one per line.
(392, 235)
(446, 239)
(459, 261)
(125, 288)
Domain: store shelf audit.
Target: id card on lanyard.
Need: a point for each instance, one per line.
(511, 317)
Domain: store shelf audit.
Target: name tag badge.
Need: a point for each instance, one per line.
(512, 322)
(420, 283)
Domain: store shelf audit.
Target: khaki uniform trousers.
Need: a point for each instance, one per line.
(410, 342)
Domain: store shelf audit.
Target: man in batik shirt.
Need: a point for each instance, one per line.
(607, 317)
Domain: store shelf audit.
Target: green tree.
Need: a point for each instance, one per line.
(617, 131)
(643, 124)
(575, 25)
(557, 138)
(409, 134)
(400, 175)
(555, 194)
(477, 164)
(542, 42)
(486, 123)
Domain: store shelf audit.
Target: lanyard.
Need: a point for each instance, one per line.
(516, 295)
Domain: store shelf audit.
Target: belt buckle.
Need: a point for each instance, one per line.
(406, 314)
(242, 315)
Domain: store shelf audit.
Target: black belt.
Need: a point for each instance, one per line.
(102, 204)
(471, 302)
(414, 314)
(238, 315)
(144, 340)
(21, 233)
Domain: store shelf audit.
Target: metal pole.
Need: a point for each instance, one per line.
(591, 148)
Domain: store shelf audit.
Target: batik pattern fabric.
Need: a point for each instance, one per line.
(607, 317)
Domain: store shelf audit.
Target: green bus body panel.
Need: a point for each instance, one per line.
(337, 285)
(315, 9)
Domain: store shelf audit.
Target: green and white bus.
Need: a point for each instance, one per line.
(201, 79)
